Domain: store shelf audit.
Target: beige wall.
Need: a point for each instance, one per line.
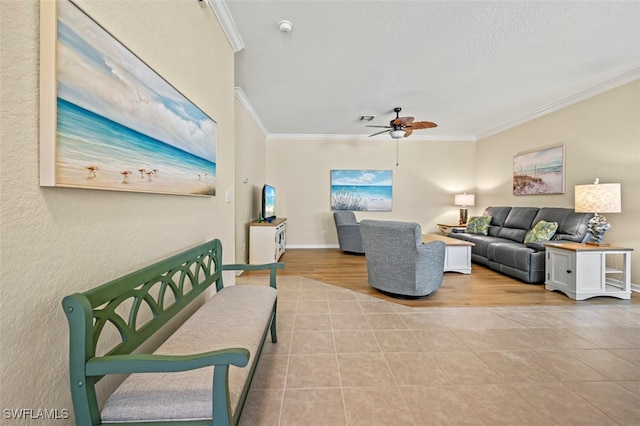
(602, 139)
(250, 165)
(56, 241)
(427, 176)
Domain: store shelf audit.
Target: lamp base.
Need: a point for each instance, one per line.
(463, 216)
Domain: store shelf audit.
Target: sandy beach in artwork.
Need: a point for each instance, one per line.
(550, 183)
(139, 180)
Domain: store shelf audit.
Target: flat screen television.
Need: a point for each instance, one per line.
(268, 202)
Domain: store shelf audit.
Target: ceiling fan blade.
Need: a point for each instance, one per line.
(422, 125)
(382, 127)
(379, 133)
(407, 132)
(407, 120)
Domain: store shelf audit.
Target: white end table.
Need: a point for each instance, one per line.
(582, 271)
(457, 254)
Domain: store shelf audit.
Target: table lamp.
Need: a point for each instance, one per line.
(464, 200)
(598, 198)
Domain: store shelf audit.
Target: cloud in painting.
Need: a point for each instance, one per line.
(99, 74)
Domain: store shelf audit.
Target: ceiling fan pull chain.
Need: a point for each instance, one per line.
(397, 152)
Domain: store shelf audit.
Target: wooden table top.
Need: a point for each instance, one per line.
(584, 247)
(447, 240)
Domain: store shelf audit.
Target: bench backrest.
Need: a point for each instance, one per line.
(133, 307)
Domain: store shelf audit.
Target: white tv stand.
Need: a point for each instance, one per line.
(267, 241)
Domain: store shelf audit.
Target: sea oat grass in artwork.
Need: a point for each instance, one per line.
(521, 183)
(347, 200)
(208, 190)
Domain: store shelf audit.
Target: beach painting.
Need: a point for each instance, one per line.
(362, 190)
(108, 121)
(539, 172)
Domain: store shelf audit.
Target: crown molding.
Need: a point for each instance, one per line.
(244, 101)
(624, 78)
(338, 137)
(221, 11)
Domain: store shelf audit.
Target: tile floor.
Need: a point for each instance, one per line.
(345, 358)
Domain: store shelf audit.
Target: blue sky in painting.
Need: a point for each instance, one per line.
(99, 74)
(361, 177)
(550, 158)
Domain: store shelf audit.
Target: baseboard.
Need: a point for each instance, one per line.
(635, 287)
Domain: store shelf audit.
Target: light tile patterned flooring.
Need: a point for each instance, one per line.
(345, 358)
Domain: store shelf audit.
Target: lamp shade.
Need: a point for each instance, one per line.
(598, 198)
(464, 199)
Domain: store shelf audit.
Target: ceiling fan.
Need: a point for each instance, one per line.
(401, 127)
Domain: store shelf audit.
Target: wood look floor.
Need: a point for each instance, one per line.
(483, 287)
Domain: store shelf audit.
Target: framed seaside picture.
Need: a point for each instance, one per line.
(539, 171)
(108, 121)
(362, 190)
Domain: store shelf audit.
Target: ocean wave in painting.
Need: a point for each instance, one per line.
(97, 152)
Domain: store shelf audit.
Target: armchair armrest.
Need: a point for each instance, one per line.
(151, 363)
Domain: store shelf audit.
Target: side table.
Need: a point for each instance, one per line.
(448, 228)
(582, 271)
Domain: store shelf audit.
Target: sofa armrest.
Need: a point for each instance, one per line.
(536, 245)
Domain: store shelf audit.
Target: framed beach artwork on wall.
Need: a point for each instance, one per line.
(362, 190)
(108, 121)
(539, 171)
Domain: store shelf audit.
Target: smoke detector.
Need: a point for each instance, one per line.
(285, 26)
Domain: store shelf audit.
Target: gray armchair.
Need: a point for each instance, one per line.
(398, 262)
(348, 232)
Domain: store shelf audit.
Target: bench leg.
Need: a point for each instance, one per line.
(274, 335)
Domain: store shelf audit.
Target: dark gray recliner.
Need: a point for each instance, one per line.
(398, 262)
(349, 237)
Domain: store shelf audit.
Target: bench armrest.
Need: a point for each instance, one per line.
(245, 267)
(151, 363)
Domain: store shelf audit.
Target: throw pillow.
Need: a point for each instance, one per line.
(478, 225)
(542, 231)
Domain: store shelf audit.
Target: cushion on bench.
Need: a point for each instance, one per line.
(234, 317)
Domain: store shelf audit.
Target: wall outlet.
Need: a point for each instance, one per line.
(324, 234)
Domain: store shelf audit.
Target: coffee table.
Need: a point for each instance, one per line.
(457, 255)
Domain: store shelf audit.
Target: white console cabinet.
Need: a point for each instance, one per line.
(582, 271)
(267, 241)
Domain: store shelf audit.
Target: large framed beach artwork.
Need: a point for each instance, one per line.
(362, 190)
(108, 121)
(539, 171)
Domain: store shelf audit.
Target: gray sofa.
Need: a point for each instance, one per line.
(398, 263)
(503, 248)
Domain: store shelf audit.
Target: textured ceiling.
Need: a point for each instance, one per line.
(473, 67)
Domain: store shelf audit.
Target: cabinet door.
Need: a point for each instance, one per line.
(591, 267)
(560, 269)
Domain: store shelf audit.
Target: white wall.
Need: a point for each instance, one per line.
(427, 176)
(56, 241)
(602, 139)
(250, 164)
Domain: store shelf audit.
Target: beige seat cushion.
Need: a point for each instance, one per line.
(234, 317)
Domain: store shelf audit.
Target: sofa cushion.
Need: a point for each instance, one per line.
(478, 225)
(572, 226)
(541, 231)
(518, 223)
(498, 216)
(510, 253)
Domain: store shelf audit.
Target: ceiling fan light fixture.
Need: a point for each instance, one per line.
(397, 134)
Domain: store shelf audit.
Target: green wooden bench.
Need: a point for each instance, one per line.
(201, 374)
